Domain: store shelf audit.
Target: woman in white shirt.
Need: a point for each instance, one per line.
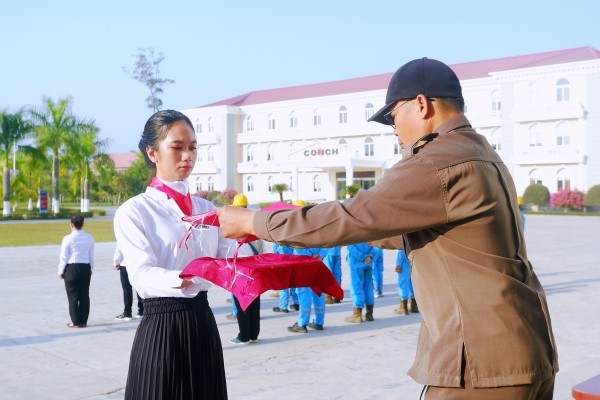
(177, 350)
(75, 267)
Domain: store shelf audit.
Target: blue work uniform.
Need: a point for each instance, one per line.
(378, 271)
(307, 297)
(405, 287)
(333, 261)
(285, 294)
(361, 274)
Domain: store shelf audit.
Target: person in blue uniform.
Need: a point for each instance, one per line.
(360, 260)
(405, 287)
(309, 299)
(286, 294)
(333, 260)
(378, 271)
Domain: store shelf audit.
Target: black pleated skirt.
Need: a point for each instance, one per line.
(177, 353)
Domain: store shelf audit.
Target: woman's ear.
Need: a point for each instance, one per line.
(151, 154)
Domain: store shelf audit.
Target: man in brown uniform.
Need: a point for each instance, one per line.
(486, 331)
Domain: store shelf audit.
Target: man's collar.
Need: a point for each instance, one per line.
(459, 121)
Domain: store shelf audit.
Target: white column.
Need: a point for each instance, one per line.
(294, 183)
(349, 175)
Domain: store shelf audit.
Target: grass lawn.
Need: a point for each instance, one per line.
(39, 233)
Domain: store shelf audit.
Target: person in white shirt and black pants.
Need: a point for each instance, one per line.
(176, 352)
(75, 267)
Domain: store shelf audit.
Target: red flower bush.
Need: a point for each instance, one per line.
(567, 198)
(202, 193)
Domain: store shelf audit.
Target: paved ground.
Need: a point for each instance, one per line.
(42, 359)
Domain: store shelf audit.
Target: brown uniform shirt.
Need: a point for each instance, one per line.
(454, 202)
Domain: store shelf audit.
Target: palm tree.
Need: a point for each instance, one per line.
(34, 165)
(82, 145)
(13, 128)
(54, 124)
(106, 178)
(279, 188)
(352, 190)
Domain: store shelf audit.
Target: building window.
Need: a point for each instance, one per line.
(562, 90)
(496, 102)
(270, 152)
(343, 115)
(249, 184)
(535, 136)
(270, 184)
(369, 111)
(249, 153)
(249, 124)
(293, 120)
(211, 184)
(496, 139)
(199, 154)
(290, 185)
(271, 119)
(535, 177)
(198, 184)
(316, 184)
(369, 147)
(342, 142)
(562, 135)
(396, 147)
(210, 153)
(534, 93)
(210, 125)
(563, 181)
(316, 118)
(198, 126)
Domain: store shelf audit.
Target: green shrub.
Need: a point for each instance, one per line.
(592, 197)
(536, 194)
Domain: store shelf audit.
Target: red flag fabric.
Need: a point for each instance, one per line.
(249, 277)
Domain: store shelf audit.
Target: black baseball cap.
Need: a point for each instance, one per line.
(426, 76)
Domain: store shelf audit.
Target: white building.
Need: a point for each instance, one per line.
(541, 112)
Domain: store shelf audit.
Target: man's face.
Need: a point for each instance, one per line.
(411, 119)
(400, 116)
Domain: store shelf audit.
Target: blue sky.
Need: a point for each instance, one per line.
(219, 49)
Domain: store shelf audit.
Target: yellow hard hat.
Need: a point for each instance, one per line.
(299, 203)
(240, 200)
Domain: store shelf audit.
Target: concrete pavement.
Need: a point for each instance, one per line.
(40, 358)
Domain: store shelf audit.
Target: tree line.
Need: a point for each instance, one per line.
(54, 149)
(49, 148)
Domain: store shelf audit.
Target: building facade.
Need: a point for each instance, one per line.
(541, 112)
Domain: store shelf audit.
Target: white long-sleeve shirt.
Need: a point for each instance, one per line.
(117, 256)
(77, 248)
(149, 229)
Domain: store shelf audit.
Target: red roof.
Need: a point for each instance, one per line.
(468, 70)
(123, 160)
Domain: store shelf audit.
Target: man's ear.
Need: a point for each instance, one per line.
(425, 107)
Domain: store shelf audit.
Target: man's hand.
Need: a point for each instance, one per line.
(117, 267)
(236, 222)
(61, 276)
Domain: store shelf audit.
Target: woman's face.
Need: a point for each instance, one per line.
(175, 156)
